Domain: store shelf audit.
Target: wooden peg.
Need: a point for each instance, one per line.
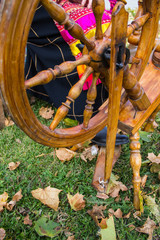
(98, 7)
(72, 95)
(135, 161)
(91, 96)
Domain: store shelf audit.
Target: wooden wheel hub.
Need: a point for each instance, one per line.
(98, 62)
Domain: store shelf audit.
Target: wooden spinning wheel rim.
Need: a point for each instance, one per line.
(14, 29)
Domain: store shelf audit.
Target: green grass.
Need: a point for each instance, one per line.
(71, 177)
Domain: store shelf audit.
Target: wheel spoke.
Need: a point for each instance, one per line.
(137, 23)
(46, 76)
(73, 94)
(59, 15)
(91, 96)
(98, 7)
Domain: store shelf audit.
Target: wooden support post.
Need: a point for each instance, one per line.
(135, 161)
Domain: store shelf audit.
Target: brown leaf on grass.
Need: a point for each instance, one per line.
(153, 158)
(115, 186)
(118, 213)
(2, 233)
(27, 221)
(17, 196)
(137, 214)
(70, 238)
(143, 180)
(46, 112)
(103, 223)
(127, 215)
(147, 228)
(13, 165)
(102, 195)
(89, 153)
(8, 122)
(15, 199)
(65, 154)
(153, 207)
(3, 200)
(155, 168)
(97, 213)
(132, 227)
(48, 196)
(76, 202)
(127, 198)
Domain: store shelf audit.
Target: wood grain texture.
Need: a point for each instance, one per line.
(118, 37)
(135, 161)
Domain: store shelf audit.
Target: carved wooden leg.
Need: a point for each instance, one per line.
(135, 161)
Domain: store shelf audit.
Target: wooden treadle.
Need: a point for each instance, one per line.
(131, 120)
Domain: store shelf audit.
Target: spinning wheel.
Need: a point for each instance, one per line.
(105, 56)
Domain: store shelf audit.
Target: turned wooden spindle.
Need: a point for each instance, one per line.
(59, 15)
(46, 76)
(137, 23)
(91, 96)
(98, 7)
(135, 161)
(72, 95)
(134, 90)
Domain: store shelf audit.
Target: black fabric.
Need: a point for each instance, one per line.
(45, 49)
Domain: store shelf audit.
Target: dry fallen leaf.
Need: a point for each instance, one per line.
(118, 213)
(127, 215)
(8, 122)
(65, 154)
(153, 207)
(76, 202)
(137, 214)
(102, 195)
(127, 199)
(71, 238)
(108, 233)
(97, 213)
(147, 228)
(2, 233)
(48, 196)
(17, 196)
(115, 186)
(15, 199)
(153, 158)
(46, 113)
(27, 221)
(89, 153)
(143, 180)
(3, 200)
(13, 165)
(103, 223)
